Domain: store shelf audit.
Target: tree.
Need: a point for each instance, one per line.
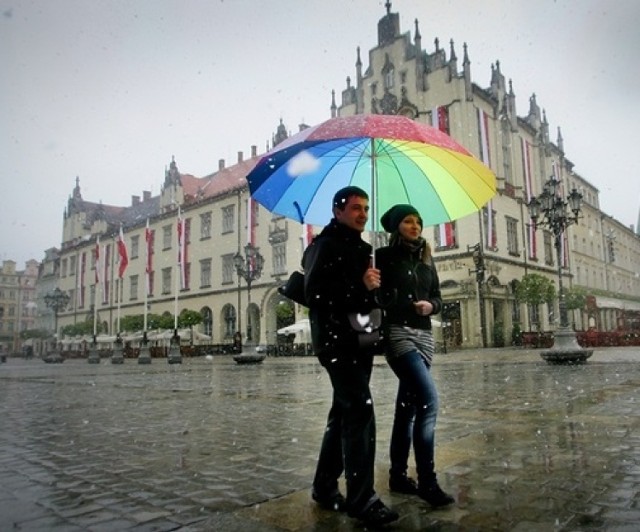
(575, 298)
(132, 323)
(34, 333)
(534, 290)
(284, 314)
(189, 318)
(81, 328)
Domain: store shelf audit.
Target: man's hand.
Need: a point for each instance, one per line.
(371, 278)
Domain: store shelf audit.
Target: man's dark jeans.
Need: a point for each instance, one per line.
(350, 432)
(415, 417)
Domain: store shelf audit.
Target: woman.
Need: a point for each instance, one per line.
(410, 282)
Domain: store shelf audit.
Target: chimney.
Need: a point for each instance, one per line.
(254, 151)
(239, 157)
(135, 200)
(146, 195)
(221, 164)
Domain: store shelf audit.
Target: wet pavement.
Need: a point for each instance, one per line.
(212, 445)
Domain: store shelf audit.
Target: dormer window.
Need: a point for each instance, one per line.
(388, 78)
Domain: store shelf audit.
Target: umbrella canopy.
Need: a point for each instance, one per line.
(393, 158)
(301, 329)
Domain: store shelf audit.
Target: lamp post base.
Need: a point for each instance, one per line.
(53, 357)
(249, 358)
(566, 349)
(118, 354)
(94, 355)
(174, 356)
(144, 357)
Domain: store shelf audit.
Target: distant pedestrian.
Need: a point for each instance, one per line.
(338, 281)
(410, 282)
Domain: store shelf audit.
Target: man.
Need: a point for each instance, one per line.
(339, 281)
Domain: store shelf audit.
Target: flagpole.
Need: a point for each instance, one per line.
(374, 199)
(179, 274)
(147, 239)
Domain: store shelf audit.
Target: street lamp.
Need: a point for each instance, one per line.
(249, 268)
(550, 210)
(56, 301)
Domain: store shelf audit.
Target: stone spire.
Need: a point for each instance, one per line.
(560, 140)
(466, 69)
(388, 27)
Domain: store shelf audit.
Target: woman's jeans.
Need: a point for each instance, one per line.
(415, 417)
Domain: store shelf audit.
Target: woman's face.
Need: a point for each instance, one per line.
(410, 227)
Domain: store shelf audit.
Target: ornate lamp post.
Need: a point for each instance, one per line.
(550, 210)
(249, 267)
(56, 301)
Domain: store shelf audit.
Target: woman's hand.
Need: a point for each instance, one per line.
(423, 307)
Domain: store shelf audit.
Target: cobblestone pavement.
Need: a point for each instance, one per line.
(212, 445)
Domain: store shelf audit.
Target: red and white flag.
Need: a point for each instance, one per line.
(148, 238)
(491, 238)
(528, 189)
(446, 235)
(83, 267)
(440, 120)
(307, 235)
(251, 221)
(96, 255)
(106, 283)
(123, 256)
(182, 250)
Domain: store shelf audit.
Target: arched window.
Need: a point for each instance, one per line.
(207, 321)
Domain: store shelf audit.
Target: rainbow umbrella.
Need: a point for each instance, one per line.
(393, 158)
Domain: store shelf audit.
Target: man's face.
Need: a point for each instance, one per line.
(355, 213)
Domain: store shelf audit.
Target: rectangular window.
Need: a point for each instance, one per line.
(548, 248)
(133, 287)
(72, 266)
(135, 246)
(166, 280)
(187, 231)
(279, 258)
(205, 273)
(187, 276)
(512, 236)
(166, 237)
(227, 269)
(205, 225)
(228, 218)
(63, 268)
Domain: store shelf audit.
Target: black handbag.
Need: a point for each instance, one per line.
(293, 289)
(369, 330)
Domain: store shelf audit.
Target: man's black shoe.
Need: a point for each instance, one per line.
(333, 501)
(434, 495)
(403, 484)
(377, 515)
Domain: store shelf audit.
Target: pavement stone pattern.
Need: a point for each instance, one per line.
(212, 445)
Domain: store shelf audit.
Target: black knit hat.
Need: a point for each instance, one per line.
(391, 219)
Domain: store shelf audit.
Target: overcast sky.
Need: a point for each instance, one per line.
(110, 90)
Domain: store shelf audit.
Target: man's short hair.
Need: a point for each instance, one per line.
(342, 196)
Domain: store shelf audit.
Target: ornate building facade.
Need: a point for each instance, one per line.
(18, 307)
(435, 87)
